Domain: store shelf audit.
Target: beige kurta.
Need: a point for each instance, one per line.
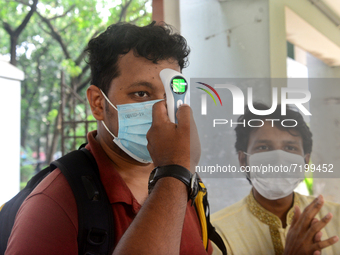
(249, 229)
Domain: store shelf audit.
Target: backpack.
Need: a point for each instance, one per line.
(95, 231)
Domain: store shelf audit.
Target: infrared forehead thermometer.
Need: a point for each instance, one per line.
(176, 88)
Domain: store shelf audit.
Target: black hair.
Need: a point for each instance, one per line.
(154, 42)
(243, 131)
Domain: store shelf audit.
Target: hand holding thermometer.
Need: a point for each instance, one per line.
(176, 88)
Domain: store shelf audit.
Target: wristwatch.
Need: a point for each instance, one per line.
(178, 172)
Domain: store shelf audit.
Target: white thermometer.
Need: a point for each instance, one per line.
(176, 88)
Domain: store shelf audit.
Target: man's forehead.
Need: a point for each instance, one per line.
(136, 72)
(267, 133)
(140, 83)
(271, 141)
(132, 57)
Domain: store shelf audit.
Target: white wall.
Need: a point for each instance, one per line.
(227, 39)
(10, 130)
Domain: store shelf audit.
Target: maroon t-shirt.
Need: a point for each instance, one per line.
(47, 221)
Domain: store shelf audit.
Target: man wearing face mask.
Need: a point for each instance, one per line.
(134, 137)
(260, 222)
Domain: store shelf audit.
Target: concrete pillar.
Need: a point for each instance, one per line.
(172, 14)
(167, 11)
(157, 10)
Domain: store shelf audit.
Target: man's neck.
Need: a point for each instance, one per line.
(135, 174)
(279, 207)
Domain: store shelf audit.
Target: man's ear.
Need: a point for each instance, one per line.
(242, 158)
(307, 158)
(96, 101)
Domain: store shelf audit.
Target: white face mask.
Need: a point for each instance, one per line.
(277, 182)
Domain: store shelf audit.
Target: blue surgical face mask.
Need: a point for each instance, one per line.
(134, 121)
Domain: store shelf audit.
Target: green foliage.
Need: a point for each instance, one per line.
(71, 68)
(52, 115)
(26, 172)
(27, 168)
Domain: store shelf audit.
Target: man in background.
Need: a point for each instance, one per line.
(259, 223)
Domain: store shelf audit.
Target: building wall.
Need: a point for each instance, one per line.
(227, 39)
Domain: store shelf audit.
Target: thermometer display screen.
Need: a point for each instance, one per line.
(179, 85)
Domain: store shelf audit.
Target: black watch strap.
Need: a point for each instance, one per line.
(178, 172)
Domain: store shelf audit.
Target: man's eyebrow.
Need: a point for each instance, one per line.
(271, 141)
(141, 83)
(263, 141)
(290, 141)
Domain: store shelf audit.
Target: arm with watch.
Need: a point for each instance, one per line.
(176, 89)
(162, 215)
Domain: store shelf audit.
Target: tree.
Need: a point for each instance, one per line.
(14, 33)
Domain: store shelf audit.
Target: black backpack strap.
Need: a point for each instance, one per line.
(95, 216)
(10, 208)
(212, 233)
(216, 238)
